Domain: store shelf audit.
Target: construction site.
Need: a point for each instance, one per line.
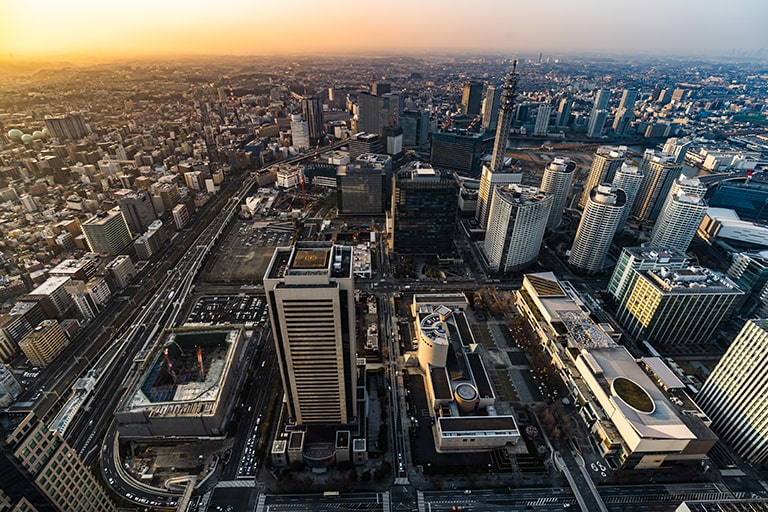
(186, 387)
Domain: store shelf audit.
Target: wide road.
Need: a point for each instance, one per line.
(493, 501)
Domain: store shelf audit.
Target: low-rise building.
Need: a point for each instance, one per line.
(637, 410)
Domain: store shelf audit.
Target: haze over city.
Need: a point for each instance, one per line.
(86, 29)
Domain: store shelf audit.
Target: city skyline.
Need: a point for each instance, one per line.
(83, 29)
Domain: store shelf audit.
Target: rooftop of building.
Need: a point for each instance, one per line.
(520, 194)
(690, 280)
(102, 218)
(50, 285)
(608, 195)
(562, 164)
(613, 365)
(611, 151)
(71, 266)
(504, 425)
(373, 158)
(311, 258)
(440, 382)
(659, 254)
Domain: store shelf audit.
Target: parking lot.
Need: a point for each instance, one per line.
(244, 252)
(229, 309)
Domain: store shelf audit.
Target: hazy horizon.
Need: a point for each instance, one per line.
(87, 29)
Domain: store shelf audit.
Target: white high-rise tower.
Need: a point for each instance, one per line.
(556, 181)
(516, 224)
(628, 178)
(598, 225)
(681, 214)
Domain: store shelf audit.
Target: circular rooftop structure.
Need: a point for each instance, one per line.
(633, 395)
(466, 396)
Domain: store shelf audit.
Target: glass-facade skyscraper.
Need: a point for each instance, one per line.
(425, 204)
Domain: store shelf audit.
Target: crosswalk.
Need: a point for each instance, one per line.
(647, 498)
(236, 483)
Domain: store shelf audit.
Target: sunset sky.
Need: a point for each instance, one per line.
(136, 28)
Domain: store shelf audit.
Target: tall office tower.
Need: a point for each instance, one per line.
(677, 306)
(424, 210)
(750, 273)
(379, 88)
(634, 259)
(681, 214)
(415, 126)
(493, 175)
(40, 471)
(491, 107)
(628, 178)
(137, 209)
(363, 143)
(599, 113)
(471, 97)
(459, 151)
(596, 123)
(605, 162)
(310, 293)
(564, 112)
(393, 104)
(677, 148)
(558, 175)
(659, 173)
(299, 133)
(516, 225)
(360, 189)
(107, 232)
(734, 396)
(626, 111)
(66, 127)
(393, 140)
(542, 119)
(370, 113)
(597, 227)
(312, 112)
(377, 112)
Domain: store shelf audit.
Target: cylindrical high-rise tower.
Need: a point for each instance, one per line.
(516, 225)
(556, 181)
(607, 159)
(659, 170)
(679, 220)
(597, 227)
(628, 178)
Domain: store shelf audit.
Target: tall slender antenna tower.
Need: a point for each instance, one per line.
(506, 111)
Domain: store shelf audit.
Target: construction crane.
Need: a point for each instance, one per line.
(473, 123)
(170, 365)
(200, 362)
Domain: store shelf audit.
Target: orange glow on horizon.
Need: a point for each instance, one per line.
(101, 29)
